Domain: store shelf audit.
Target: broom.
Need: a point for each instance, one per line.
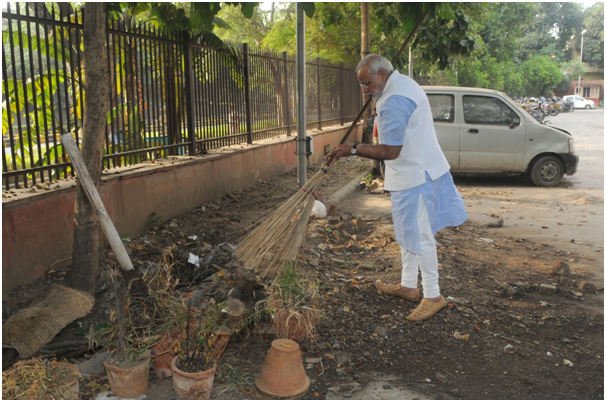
(279, 237)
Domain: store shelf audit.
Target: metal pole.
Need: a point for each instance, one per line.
(286, 95)
(410, 61)
(245, 51)
(301, 118)
(581, 61)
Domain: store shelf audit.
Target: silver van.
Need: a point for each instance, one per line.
(484, 131)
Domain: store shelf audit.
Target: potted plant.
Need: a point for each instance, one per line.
(167, 313)
(293, 300)
(130, 340)
(196, 362)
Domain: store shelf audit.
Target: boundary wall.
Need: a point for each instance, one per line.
(37, 228)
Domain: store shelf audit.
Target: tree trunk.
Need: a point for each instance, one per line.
(85, 254)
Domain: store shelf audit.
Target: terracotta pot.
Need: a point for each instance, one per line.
(223, 337)
(282, 374)
(128, 379)
(72, 388)
(193, 385)
(162, 354)
(293, 327)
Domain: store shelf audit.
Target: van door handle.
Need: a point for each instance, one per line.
(473, 131)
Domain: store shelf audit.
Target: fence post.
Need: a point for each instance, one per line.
(247, 92)
(342, 103)
(189, 107)
(288, 120)
(319, 98)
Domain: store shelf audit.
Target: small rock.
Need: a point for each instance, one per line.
(548, 288)
(381, 331)
(386, 386)
(442, 378)
(313, 360)
(587, 286)
(94, 365)
(560, 268)
(511, 291)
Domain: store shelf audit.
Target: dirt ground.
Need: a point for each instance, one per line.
(500, 337)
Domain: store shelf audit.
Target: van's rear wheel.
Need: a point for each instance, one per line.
(547, 171)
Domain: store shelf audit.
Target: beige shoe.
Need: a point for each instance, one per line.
(396, 290)
(426, 309)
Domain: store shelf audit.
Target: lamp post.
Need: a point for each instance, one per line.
(581, 61)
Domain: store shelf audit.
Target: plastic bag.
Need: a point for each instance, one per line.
(319, 209)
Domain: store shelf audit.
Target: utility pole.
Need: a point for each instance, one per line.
(581, 61)
(410, 61)
(301, 118)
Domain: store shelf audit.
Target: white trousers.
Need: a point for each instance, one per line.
(427, 261)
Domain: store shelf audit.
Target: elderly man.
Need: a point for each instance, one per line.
(424, 198)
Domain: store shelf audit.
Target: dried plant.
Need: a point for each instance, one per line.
(37, 379)
(293, 300)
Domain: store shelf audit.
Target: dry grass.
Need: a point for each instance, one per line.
(38, 379)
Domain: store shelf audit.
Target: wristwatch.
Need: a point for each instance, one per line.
(353, 149)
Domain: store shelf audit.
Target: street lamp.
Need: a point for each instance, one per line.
(581, 61)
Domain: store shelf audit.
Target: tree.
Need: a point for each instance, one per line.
(85, 254)
(553, 26)
(502, 31)
(593, 42)
(541, 76)
(198, 19)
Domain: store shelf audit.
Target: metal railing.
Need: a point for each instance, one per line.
(169, 95)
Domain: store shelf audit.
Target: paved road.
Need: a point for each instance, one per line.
(569, 217)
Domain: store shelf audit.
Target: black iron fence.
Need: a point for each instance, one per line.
(168, 95)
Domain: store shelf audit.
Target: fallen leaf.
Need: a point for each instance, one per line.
(285, 345)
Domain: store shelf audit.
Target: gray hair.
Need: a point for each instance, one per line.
(375, 63)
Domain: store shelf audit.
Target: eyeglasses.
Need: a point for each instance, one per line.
(365, 84)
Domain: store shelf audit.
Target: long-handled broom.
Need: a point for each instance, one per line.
(279, 237)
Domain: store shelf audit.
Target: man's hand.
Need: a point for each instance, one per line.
(340, 151)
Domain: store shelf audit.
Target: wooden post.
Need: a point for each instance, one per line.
(115, 242)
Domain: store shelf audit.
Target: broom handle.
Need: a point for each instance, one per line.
(393, 61)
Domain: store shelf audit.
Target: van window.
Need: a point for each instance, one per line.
(442, 107)
(488, 110)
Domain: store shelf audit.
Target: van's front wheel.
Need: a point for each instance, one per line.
(547, 171)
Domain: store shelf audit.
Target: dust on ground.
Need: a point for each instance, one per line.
(500, 337)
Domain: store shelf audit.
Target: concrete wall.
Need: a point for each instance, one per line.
(37, 229)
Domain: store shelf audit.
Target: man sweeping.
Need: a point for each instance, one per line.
(424, 198)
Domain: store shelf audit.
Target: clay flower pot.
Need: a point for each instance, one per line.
(193, 385)
(128, 379)
(162, 354)
(223, 337)
(72, 388)
(292, 326)
(283, 375)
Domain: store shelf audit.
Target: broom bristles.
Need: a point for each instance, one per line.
(279, 236)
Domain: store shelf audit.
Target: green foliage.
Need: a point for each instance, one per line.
(291, 289)
(553, 26)
(541, 76)
(501, 32)
(593, 43)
